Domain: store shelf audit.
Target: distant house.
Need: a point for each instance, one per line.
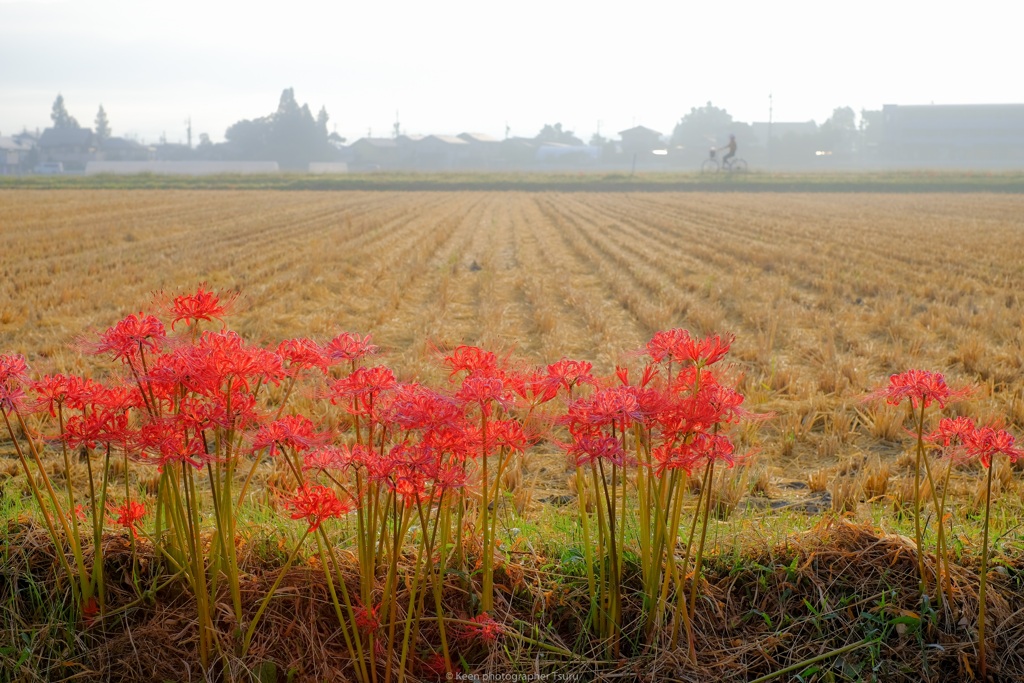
(407, 144)
(764, 131)
(953, 134)
(478, 138)
(122, 149)
(172, 151)
(374, 153)
(560, 152)
(484, 151)
(15, 155)
(73, 147)
(442, 152)
(640, 141)
(517, 152)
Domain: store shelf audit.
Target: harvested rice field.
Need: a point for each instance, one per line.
(849, 532)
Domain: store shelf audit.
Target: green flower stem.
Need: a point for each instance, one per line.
(247, 640)
(984, 577)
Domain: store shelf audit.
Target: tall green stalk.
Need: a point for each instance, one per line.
(984, 577)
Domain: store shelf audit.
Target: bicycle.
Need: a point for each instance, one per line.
(712, 165)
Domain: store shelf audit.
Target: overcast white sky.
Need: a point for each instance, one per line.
(450, 66)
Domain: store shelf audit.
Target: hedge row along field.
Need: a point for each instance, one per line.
(538, 476)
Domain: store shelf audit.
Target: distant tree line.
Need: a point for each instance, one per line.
(293, 137)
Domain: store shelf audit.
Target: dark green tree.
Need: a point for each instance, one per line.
(839, 132)
(702, 127)
(555, 133)
(289, 136)
(60, 116)
(102, 126)
(321, 120)
(247, 139)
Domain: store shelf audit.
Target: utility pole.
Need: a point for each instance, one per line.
(397, 130)
(188, 130)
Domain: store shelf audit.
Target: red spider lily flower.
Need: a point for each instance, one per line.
(724, 401)
(530, 384)
(678, 346)
(196, 414)
(359, 390)
(569, 374)
(132, 336)
(128, 515)
(449, 477)
(97, 427)
(327, 458)
(483, 629)
(89, 611)
(79, 512)
(51, 392)
(703, 448)
(366, 618)
(675, 456)
(234, 410)
(617, 406)
(586, 449)
(713, 447)
(473, 360)
(986, 442)
(186, 369)
(484, 391)
(117, 397)
(664, 344)
(316, 504)
(165, 441)
(687, 415)
(509, 434)
(12, 396)
(203, 305)
(951, 436)
(690, 379)
(434, 665)
(302, 354)
(232, 361)
(408, 468)
(459, 441)
(652, 403)
(920, 386)
(291, 431)
(54, 391)
(361, 455)
(13, 377)
(709, 350)
(349, 347)
(417, 407)
(13, 367)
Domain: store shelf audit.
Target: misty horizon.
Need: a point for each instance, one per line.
(449, 69)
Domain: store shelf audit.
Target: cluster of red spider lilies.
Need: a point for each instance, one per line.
(413, 474)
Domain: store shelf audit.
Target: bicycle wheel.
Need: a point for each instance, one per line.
(709, 166)
(738, 166)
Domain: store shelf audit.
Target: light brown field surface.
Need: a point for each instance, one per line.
(827, 294)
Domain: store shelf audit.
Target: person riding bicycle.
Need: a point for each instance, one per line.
(732, 150)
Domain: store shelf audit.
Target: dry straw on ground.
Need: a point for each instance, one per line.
(838, 585)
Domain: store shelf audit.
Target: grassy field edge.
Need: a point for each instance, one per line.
(792, 606)
(891, 181)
